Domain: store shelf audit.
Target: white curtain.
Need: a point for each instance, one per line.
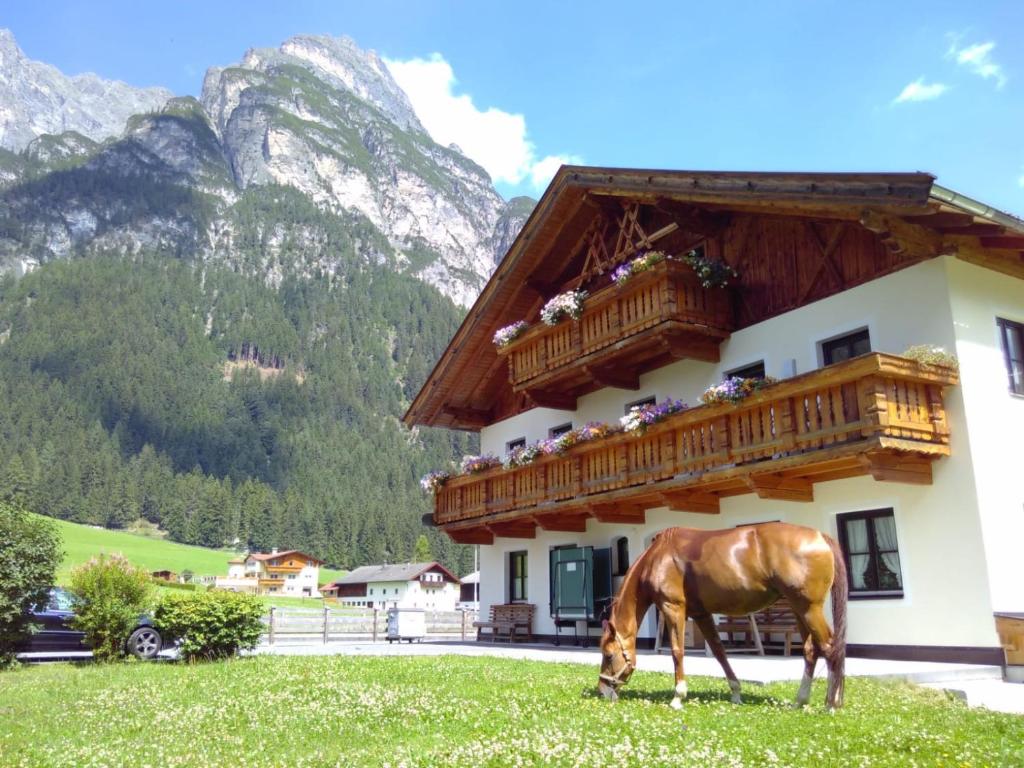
(889, 576)
(860, 559)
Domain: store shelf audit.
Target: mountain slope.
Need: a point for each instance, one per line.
(215, 320)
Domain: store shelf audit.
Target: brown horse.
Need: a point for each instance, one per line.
(695, 573)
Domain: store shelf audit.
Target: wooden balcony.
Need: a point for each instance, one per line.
(285, 568)
(877, 415)
(659, 315)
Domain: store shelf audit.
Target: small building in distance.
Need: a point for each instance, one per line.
(469, 592)
(290, 573)
(430, 586)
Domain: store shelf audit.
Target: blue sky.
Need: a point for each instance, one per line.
(747, 86)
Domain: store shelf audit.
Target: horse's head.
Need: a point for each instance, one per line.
(618, 660)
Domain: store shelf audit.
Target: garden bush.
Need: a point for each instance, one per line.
(175, 585)
(110, 596)
(210, 625)
(29, 556)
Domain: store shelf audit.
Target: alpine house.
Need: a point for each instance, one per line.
(706, 349)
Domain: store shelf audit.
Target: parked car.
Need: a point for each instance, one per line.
(55, 635)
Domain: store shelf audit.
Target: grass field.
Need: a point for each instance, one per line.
(364, 711)
(82, 542)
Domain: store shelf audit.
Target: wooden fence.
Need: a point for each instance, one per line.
(326, 625)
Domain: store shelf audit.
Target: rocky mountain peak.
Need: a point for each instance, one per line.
(37, 99)
(317, 115)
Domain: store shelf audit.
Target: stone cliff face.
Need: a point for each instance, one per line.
(37, 99)
(317, 115)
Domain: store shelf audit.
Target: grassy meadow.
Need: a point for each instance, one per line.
(459, 711)
(81, 542)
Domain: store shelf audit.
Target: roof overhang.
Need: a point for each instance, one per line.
(470, 358)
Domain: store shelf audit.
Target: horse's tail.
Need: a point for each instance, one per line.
(836, 656)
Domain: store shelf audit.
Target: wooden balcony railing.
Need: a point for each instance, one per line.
(662, 311)
(876, 414)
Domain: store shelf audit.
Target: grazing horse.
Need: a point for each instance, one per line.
(696, 573)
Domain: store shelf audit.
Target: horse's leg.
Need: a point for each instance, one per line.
(817, 639)
(711, 637)
(675, 619)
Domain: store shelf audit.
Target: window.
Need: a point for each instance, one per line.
(517, 577)
(561, 429)
(1012, 336)
(511, 445)
(752, 371)
(844, 347)
(639, 403)
(621, 554)
(872, 555)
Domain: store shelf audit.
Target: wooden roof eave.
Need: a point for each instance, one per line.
(779, 192)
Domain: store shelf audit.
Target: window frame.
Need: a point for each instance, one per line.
(511, 445)
(744, 371)
(639, 403)
(828, 346)
(869, 515)
(524, 578)
(618, 544)
(559, 429)
(1007, 326)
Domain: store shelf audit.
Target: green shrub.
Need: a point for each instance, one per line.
(174, 585)
(110, 595)
(212, 624)
(29, 556)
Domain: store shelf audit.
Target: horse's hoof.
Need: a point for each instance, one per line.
(736, 699)
(676, 703)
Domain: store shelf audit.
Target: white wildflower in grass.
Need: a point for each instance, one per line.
(568, 304)
(429, 712)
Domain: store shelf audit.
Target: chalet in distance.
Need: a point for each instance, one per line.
(287, 572)
(430, 586)
(914, 466)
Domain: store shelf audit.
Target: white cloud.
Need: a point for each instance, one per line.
(495, 139)
(920, 91)
(977, 58)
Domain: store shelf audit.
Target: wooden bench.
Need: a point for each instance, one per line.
(512, 621)
(758, 628)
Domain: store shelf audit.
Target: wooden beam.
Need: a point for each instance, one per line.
(542, 288)
(609, 377)
(569, 523)
(974, 229)
(522, 528)
(898, 468)
(695, 347)
(942, 219)
(1007, 242)
(545, 399)
(691, 218)
(901, 236)
(471, 416)
(471, 536)
(693, 501)
(771, 486)
(616, 513)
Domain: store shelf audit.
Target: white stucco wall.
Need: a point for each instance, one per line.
(409, 594)
(995, 419)
(947, 597)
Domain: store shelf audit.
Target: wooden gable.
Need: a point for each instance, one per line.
(792, 238)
